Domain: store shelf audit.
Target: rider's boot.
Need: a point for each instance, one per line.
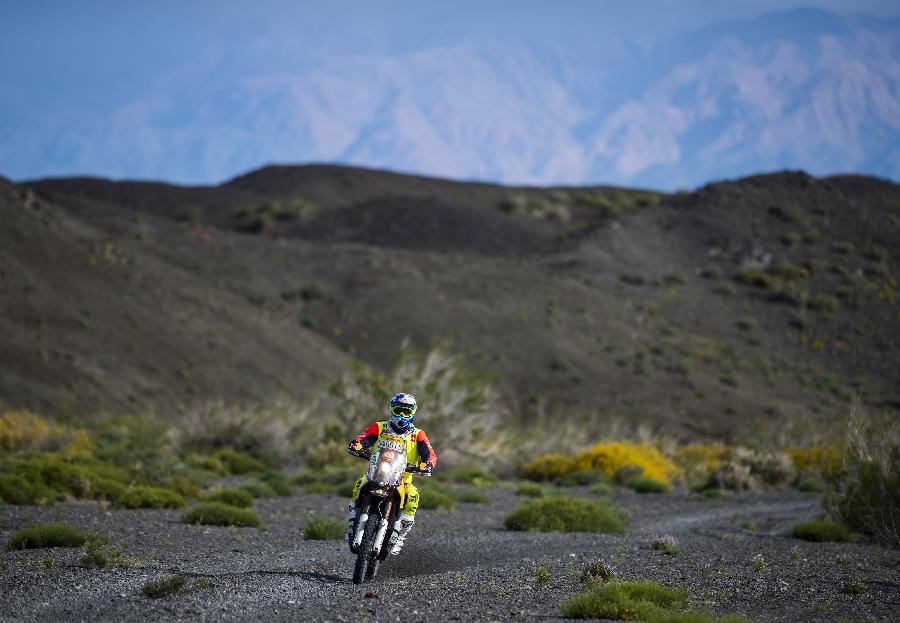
(351, 520)
(401, 530)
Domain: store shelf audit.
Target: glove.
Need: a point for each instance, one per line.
(426, 467)
(354, 447)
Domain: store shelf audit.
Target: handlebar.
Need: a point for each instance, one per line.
(412, 468)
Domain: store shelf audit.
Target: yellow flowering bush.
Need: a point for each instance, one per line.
(608, 457)
(823, 460)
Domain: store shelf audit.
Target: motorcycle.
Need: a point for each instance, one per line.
(380, 503)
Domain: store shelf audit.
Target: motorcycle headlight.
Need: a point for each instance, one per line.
(384, 471)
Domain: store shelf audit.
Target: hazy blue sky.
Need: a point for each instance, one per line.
(66, 65)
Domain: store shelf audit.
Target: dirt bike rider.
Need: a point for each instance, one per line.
(402, 412)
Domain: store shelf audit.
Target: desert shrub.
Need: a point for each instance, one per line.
(548, 467)
(748, 469)
(23, 431)
(699, 461)
(757, 278)
(854, 588)
(865, 495)
(238, 463)
(163, 587)
(825, 303)
(99, 553)
(823, 460)
(822, 530)
(234, 497)
(15, 489)
(436, 498)
(642, 484)
(278, 482)
(259, 489)
(471, 496)
(218, 514)
(786, 270)
(321, 488)
(320, 528)
(597, 571)
(143, 496)
(731, 475)
(542, 575)
(565, 514)
(530, 490)
(811, 484)
(626, 600)
(608, 458)
(46, 535)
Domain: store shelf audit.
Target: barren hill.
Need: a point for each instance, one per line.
(767, 299)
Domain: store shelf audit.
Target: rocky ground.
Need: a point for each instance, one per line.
(460, 565)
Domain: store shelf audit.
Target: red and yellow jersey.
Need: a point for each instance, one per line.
(418, 448)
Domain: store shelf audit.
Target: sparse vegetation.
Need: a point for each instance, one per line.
(542, 575)
(627, 600)
(565, 514)
(218, 514)
(609, 458)
(642, 484)
(854, 588)
(598, 571)
(866, 493)
(667, 544)
(99, 553)
(163, 587)
(46, 535)
(434, 498)
(321, 528)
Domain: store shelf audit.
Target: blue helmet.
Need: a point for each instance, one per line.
(402, 413)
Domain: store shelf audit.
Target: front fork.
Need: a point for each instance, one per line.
(363, 519)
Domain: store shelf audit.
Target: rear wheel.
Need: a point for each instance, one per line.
(364, 557)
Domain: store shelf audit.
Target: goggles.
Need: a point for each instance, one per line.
(401, 411)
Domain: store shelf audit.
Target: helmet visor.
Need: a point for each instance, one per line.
(403, 411)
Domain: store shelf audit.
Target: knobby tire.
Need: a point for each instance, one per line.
(365, 547)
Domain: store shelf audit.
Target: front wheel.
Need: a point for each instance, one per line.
(364, 557)
(372, 571)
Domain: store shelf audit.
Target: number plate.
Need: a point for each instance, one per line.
(385, 444)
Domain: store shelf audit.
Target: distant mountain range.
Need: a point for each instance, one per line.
(800, 89)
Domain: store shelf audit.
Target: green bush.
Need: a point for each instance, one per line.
(822, 530)
(471, 496)
(434, 498)
(15, 489)
(238, 463)
(218, 514)
(565, 514)
(46, 535)
(320, 528)
(625, 600)
(163, 587)
(98, 553)
(642, 484)
(638, 600)
(259, 489)
(143, 496)
(234, 497)
(854, 588)
(278, 482)
(530, 490)
(811, 484)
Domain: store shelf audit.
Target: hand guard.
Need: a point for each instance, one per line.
(355, 447)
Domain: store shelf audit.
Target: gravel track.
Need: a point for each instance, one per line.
(458, 565)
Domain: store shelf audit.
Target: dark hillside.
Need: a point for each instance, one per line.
(115, 312)
(763, 300)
